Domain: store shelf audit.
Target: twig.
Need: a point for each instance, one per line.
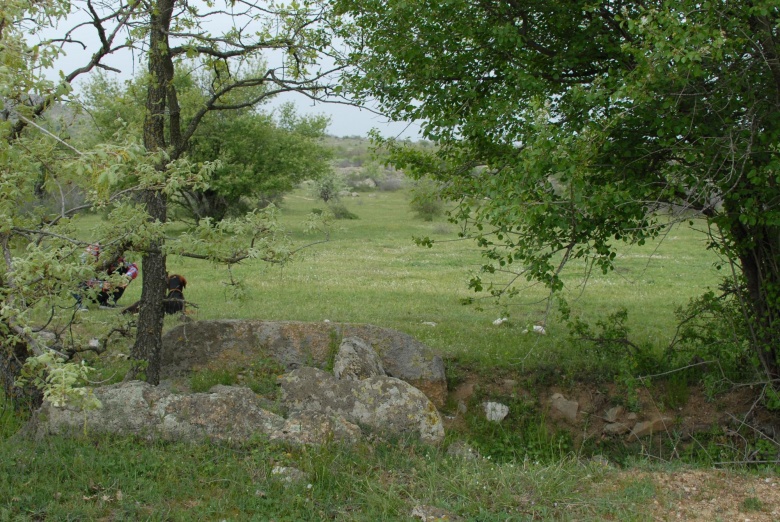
(55, 137)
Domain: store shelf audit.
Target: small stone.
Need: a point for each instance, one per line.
(566, 407)
(645, 428)
(612, 414)
(616, 428)
(495, 411)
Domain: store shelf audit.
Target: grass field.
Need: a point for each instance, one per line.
(371, 272)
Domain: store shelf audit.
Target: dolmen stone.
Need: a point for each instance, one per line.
(224, 414)
(226, 344)
(319, 407)
(385, 404)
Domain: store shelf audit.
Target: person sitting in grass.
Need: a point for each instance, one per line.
(108, 293)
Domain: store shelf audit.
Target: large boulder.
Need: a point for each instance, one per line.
(224, 414)
(385, 404)
(357, 360)
(227, 344)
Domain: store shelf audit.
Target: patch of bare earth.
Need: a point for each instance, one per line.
(713, 495)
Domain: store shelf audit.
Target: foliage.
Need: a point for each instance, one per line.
(261, 377)
(204, 380)
(340, 211)
(522, 437)
(62, 383)
(566, 129)
(609, 342)
(133, 479)
(713, 330)
(261, 155)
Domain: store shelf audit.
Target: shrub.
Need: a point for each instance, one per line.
(328, 187)
(340, 211)
(391, 184)
(426, 200)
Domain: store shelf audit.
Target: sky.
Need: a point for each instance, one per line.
(344, 120)
(352, 121)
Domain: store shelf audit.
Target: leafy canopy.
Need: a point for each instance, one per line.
(567, 127)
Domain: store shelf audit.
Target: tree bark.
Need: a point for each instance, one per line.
(148, 342)
(758, 260)
(14, 355)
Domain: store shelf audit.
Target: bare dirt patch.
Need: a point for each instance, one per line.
(702, 495)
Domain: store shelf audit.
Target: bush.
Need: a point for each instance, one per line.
(340, 211)
(426, 200)
(328, 187)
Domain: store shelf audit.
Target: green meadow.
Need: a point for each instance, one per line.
(371, 271)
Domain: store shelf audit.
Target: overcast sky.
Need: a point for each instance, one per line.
(344, 120)
(351, 121)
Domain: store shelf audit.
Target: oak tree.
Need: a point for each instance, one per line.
(566, 128)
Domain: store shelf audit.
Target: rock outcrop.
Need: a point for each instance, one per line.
(230, 344)
(385, 404)
(319, 407)
(224, 414)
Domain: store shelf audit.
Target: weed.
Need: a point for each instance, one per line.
(204, 380)
(523, 435)
(426, 200)
(751, 504)
(334, 343)
(262, 377)
(676, 391)
(340, 211)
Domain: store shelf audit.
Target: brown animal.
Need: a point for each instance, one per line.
(173, 302)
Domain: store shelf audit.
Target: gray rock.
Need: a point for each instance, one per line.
(613, 413)
(366, 183)
(600, 460)
(314, 428)
(461, 450)
(385, 404)
(288, 475)
(432, 513)
(357, 360)
(236, 344)
(495, 411)
(224, 414)
(616, 428)
(565, 407)
(646, 428)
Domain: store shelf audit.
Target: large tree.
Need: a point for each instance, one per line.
(40, 251)
(586, 119)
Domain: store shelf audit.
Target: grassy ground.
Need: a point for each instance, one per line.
(371, 272)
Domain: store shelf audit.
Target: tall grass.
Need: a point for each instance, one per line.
(124, 479)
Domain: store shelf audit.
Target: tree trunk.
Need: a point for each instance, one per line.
(148, 342)
(12, 359)
(758, 259)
